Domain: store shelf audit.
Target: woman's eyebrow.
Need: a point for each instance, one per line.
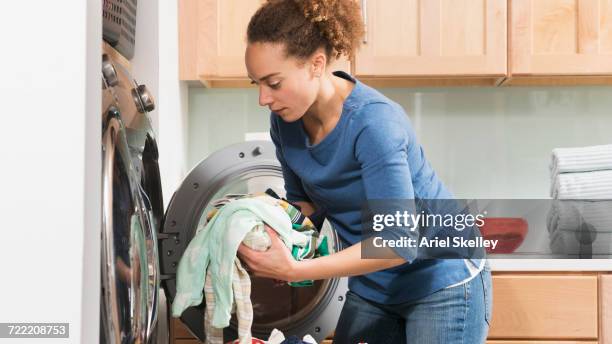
(266, 77)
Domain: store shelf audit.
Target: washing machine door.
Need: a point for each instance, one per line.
(124, 270)
(133, 101)
(246, 168)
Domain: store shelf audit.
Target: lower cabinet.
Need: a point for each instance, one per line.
(534, 308)
(551, 307)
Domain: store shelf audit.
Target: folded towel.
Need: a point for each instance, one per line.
(581, 243)
(581, 159)
(569, 215)
(583, 185)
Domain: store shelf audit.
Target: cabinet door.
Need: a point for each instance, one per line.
(605, 287)
(561, 37)
(545, 307)
(212, 40)
(213, 37)
(433, 38)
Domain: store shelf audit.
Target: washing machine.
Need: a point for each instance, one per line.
(142, 244)
(132, 306)
(247, 167)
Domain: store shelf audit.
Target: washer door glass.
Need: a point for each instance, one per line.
(124, 267)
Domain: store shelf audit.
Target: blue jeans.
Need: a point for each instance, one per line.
(457, 315)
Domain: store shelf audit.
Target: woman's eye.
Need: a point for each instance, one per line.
(275, 86)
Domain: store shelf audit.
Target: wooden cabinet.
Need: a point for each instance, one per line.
(433, 38)
(605, 289)
(212, 38)
(212, 41)
(545, 307)
(426, 42)
(561, 37)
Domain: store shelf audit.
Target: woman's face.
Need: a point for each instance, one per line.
(286, 86)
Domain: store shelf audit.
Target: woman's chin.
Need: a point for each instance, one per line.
(287, 117)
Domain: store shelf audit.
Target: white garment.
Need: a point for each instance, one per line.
(581, 159)
(573, 215)
(582, 185)
(277, 337)
(581, 242)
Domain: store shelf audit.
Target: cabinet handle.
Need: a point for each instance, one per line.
(364, 14)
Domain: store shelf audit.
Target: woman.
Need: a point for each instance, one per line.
(341, 143)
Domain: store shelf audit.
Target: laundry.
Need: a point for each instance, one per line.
(581, 159)
(579, 220)
(277, 337)
(259, 240)
(583, 185)
(235, 219)
(584, 242)
(295, 214)
(581, 172)
(253, 341)
(573, 215)
(241, 287)
(214, 247)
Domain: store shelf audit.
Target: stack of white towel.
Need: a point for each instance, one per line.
(580, 219)
(581, 173)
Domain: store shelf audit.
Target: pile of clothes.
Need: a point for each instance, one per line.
(210, 264)
(580, 218)
(277, 337)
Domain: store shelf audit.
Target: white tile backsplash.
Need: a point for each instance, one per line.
(483, 142)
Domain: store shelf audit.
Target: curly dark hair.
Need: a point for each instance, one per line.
(303, 26)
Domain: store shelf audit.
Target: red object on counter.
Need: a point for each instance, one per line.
(253, 341)
(509, 231)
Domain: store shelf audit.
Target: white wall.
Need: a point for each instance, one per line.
(50, 159)
(172, 103)
(155, 64)
(145, 63)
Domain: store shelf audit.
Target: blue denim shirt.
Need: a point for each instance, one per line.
(371, 154)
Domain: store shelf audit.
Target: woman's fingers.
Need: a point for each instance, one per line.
(245, 254)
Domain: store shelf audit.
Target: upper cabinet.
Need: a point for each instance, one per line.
(212, 41)
(561, 37)
(426, 42)
(212, 38)
(417, 38)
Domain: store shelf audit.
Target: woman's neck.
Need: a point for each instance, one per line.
(325, 112)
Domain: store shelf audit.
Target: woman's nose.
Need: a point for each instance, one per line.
(264, 96)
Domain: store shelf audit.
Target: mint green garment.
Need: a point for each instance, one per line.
(214, 247)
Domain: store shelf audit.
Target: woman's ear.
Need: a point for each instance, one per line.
(319, 63)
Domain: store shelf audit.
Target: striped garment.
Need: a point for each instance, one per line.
(581, 159)
(582, 185)
(574, 215)
(258, 238)
(241, 286)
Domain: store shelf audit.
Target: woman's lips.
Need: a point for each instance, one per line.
(279, 110)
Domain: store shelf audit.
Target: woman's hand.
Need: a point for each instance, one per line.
(276, 262)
